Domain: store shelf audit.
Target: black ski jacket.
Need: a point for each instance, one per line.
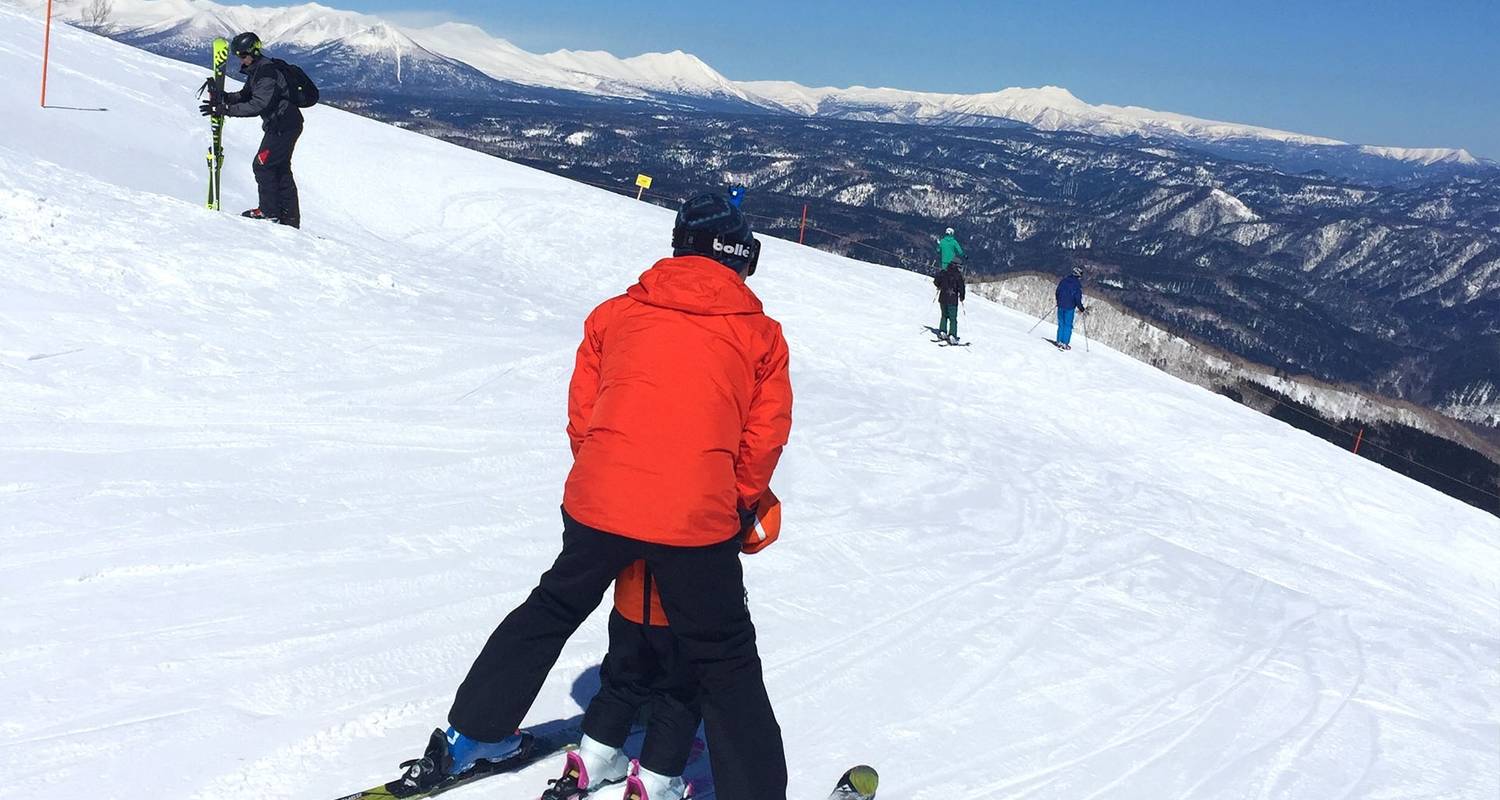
(266, 96)
(950, 284)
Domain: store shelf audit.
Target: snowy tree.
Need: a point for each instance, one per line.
(97, 15)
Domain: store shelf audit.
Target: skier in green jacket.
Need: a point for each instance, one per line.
(949, 249)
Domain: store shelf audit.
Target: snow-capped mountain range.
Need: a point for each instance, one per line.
(447, 52)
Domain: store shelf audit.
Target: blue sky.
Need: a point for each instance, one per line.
(1412, 74)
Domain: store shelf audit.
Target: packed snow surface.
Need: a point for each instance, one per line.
(264, 493)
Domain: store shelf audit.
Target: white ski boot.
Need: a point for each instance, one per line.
(647, 785)
(586, 770)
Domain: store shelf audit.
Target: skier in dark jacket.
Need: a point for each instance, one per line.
(645, 669)
(1069, 299)
(951, 292)
(266, 95)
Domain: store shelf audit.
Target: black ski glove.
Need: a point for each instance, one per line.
(210, 108)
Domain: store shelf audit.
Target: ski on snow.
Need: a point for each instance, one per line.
(942, 342)
(533, 748)
(858, 783)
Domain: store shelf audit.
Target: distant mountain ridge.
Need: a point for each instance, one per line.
(364, 53)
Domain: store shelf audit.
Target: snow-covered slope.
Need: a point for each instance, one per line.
(263, 494)
(1032, 294)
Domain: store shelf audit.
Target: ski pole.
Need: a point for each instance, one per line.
(1085, 331)
(1044, 315)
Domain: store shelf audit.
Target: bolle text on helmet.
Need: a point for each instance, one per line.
(737, 250)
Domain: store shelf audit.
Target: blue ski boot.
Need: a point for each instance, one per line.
(451, 754)
(464, 753)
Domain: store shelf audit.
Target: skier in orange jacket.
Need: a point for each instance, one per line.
(678, 410)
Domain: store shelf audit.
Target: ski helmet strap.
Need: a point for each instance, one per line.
(697, 241)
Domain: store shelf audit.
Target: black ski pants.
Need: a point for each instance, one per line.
(273, 176)
(703, 592)
(645, 669)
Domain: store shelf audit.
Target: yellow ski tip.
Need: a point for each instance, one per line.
(864, 779)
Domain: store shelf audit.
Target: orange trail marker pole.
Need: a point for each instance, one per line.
(46, 52)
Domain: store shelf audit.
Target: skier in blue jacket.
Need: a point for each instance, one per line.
(1069, 299)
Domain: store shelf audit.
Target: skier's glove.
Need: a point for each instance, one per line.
(211, 109)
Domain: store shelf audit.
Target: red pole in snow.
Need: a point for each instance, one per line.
(1357, 439)
(46, 52)
(802, 232)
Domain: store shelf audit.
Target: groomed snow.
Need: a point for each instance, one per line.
(263, 494)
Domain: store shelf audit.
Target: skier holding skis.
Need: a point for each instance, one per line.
(1069, 299)
(951, 292)
(678, 409)
(266, 95)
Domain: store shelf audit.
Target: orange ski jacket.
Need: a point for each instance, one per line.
(679, 406)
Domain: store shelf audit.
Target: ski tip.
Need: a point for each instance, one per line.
(864, 779)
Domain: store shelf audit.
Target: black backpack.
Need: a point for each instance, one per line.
(300, 88)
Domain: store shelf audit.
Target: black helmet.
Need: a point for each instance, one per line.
(1078, 272)
(246, 44)
(709, 225)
